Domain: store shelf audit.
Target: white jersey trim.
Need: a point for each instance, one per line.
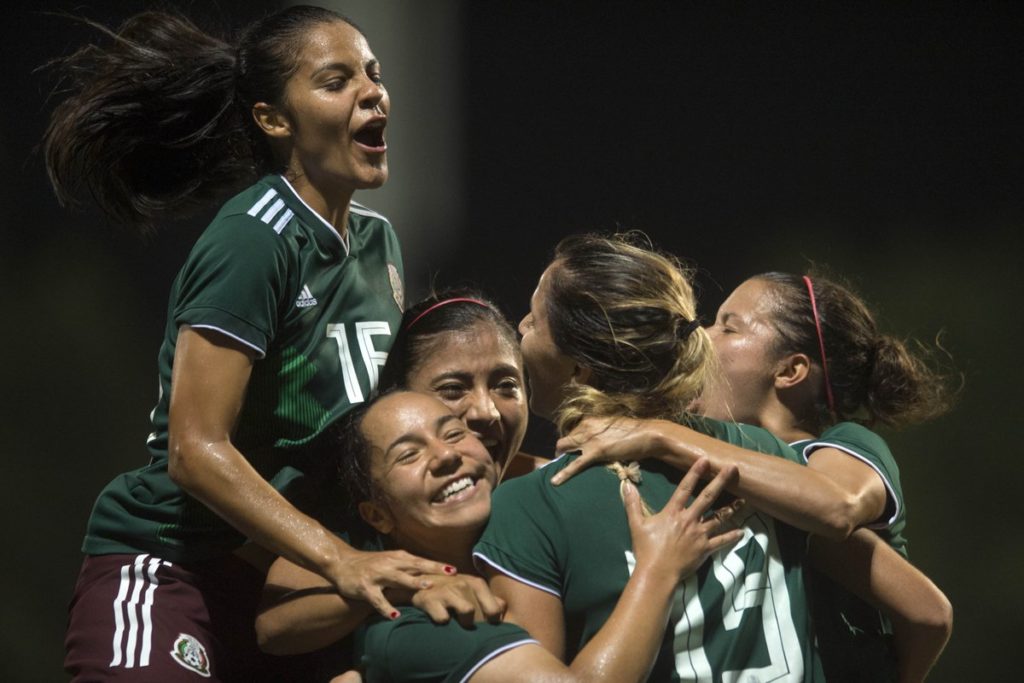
(491, 655)
(363, 210)
(233, 336)
(343, 240)
(890, 490)
(506, 572)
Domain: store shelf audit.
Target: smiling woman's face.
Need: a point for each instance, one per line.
(478, 374)
(432, 476)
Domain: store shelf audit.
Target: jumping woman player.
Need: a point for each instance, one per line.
(277, 323)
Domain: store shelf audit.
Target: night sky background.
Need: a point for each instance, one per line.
(881, 141)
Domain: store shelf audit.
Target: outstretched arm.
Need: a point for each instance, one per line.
(211, 372)
(831, 497)
(921, 615)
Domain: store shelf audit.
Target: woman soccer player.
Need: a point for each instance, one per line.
(612, 332)
(277, 323)
(458, 347)
(804, 358)
(424, 481)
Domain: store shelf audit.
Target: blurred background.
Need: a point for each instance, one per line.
(879, 140)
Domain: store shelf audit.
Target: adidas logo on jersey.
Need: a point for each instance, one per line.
(306, 298)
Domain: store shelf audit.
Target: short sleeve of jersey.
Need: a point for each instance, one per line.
(860, 442)
(412, 648)
(525, 537)
(233, 281)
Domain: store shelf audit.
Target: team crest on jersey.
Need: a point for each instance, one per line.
(396, 286)
(191, 654)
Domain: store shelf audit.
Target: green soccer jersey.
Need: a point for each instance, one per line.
(413, 648)
(741, 617)
(317, 311)
(853, 637)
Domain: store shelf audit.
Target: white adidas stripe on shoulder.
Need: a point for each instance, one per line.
(283, 221)
(258, 206)
(271, 213)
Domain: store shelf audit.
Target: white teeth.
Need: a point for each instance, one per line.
(453, 488)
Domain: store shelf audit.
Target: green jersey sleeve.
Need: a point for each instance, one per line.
(865, 445)
(523, 538)
(413, 648)
(234, 281)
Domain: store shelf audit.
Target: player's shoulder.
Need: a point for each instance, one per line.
(363, 214)
(739, 434)
(260, 212)
(856, 434)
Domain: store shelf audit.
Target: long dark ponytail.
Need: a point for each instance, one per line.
(158, 122)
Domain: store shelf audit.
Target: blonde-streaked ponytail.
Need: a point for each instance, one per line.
(627, 312)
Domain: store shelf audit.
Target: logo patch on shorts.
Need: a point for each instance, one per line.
(191, 654)
(397, 290)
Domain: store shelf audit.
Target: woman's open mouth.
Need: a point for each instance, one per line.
(460, 489)
(371, 136)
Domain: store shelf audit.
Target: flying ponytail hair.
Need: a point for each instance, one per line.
(626, 312)
(873, 377)
(158, 122)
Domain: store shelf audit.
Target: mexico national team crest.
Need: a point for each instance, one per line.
(191, 654)
(397, 290)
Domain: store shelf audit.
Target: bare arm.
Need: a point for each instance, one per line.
(668, 546)
(211, 372)
(301, 612)
(921, 615)
(831, 498)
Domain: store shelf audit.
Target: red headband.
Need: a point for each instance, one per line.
(439, 304)
(821, 345)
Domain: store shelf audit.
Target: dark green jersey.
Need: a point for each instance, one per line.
(318, 312)
(860, 442)
(741, 617)
(413, 648)
(854, 638)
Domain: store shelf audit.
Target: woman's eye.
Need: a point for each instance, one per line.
(450, 392)
(335, 83)
(455, 435)
(407, 456)
(508, 386)
(377, 78)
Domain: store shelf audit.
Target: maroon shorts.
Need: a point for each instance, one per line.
(140, 618)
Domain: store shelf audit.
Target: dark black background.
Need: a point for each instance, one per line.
(880, 140)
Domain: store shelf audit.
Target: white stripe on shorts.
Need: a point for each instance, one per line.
(147, 609)
(122, 591)
(138, 578)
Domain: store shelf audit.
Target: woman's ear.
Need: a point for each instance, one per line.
(271, 120)
(377, 515)
(581, 374)
(792, 370)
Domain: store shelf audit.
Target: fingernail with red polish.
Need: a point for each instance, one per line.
(448, 569)
(394, 614)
